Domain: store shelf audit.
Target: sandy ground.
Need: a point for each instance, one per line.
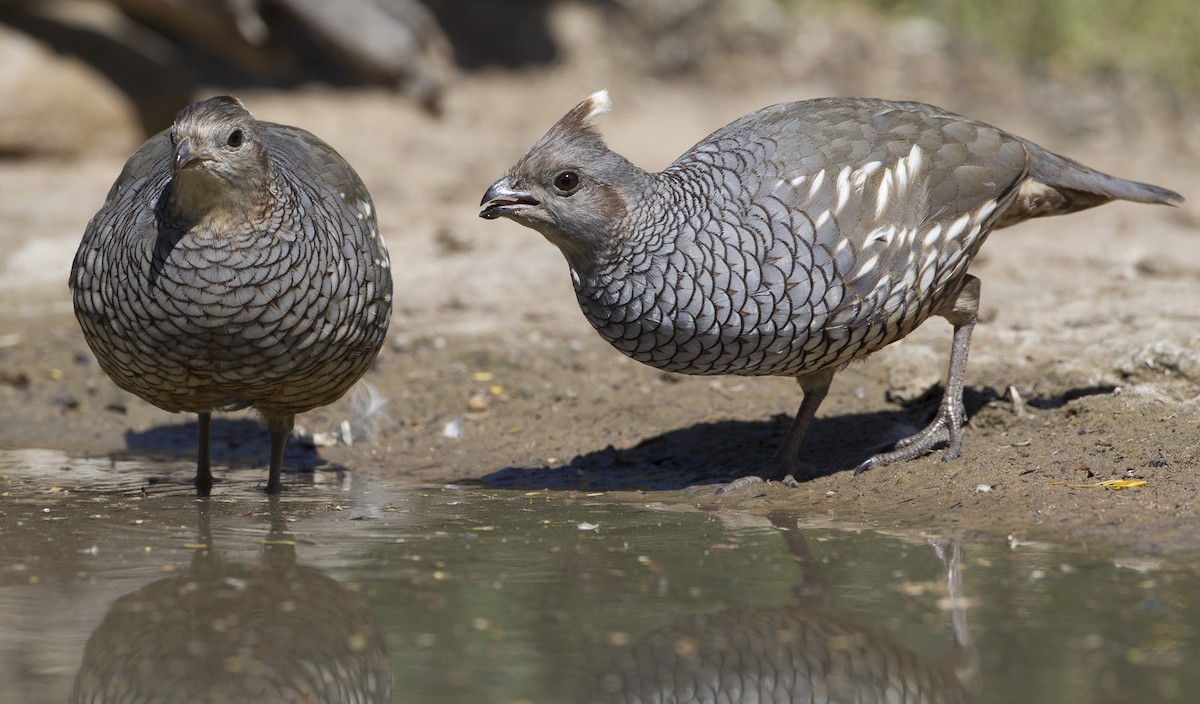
(1093, 319)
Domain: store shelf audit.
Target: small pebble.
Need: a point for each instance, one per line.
(17, 380)
(478, 403)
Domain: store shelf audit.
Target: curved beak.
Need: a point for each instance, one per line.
(502, 200)
(186, 154)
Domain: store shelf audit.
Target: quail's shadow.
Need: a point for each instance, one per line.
(722, 451)
(273, 631)
(704, 453)
(1054, 401)
(800, 651)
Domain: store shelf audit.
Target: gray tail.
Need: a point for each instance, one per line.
(1056, 185)
(1088, 186)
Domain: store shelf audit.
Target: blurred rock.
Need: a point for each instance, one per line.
(102, 75)
(1161, 359)
(58, 104)
(149, 74)
(388, 42)
(487, 33)
(721, 39)
(392, 42)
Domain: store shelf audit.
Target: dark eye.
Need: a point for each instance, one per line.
(235, 139)
(567, 181)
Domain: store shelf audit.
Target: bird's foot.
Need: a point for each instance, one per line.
(740, 483)
(203, 483)
(776, 470)
(945, 428)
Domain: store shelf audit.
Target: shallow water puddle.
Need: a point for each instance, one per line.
(342, 591)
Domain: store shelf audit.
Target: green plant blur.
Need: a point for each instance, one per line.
(1102, 38)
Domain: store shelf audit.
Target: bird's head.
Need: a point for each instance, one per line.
(569, 186)
(219, 161)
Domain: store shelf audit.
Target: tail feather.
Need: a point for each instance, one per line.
(1057, 185)
(1061, 173)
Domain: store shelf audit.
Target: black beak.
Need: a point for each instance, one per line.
(501, 199)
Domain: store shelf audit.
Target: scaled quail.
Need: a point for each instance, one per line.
(794, 240)
(234, 264)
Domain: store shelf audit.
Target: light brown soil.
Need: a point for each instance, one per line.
(1093, 318)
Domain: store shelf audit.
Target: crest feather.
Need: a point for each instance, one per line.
(597, 104)
(583, 116)
(573, 131)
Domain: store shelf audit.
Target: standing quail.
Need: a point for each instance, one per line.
(219, 630)
(794, 240)
(234, 264)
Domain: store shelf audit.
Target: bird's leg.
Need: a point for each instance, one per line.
(784, 465)
(204, 479)
(278, 428)
(946, 427)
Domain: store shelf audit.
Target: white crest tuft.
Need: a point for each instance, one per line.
(596, 105)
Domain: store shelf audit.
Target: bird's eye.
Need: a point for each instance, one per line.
(235, 139)
(567, 182)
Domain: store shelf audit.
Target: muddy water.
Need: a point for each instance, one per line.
(341, 591)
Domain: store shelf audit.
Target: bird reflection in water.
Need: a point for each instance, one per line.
(277, 631)
(799, 652)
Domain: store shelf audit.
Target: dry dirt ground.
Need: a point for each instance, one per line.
(1093, 319)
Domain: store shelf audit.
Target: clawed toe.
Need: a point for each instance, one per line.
(776, 470)
(741, 483)
(941, 430)
(752, 480)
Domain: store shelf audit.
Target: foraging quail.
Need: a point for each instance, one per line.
(794, 240)
(234, 264)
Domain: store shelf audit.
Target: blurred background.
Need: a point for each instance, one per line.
(80, 76)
